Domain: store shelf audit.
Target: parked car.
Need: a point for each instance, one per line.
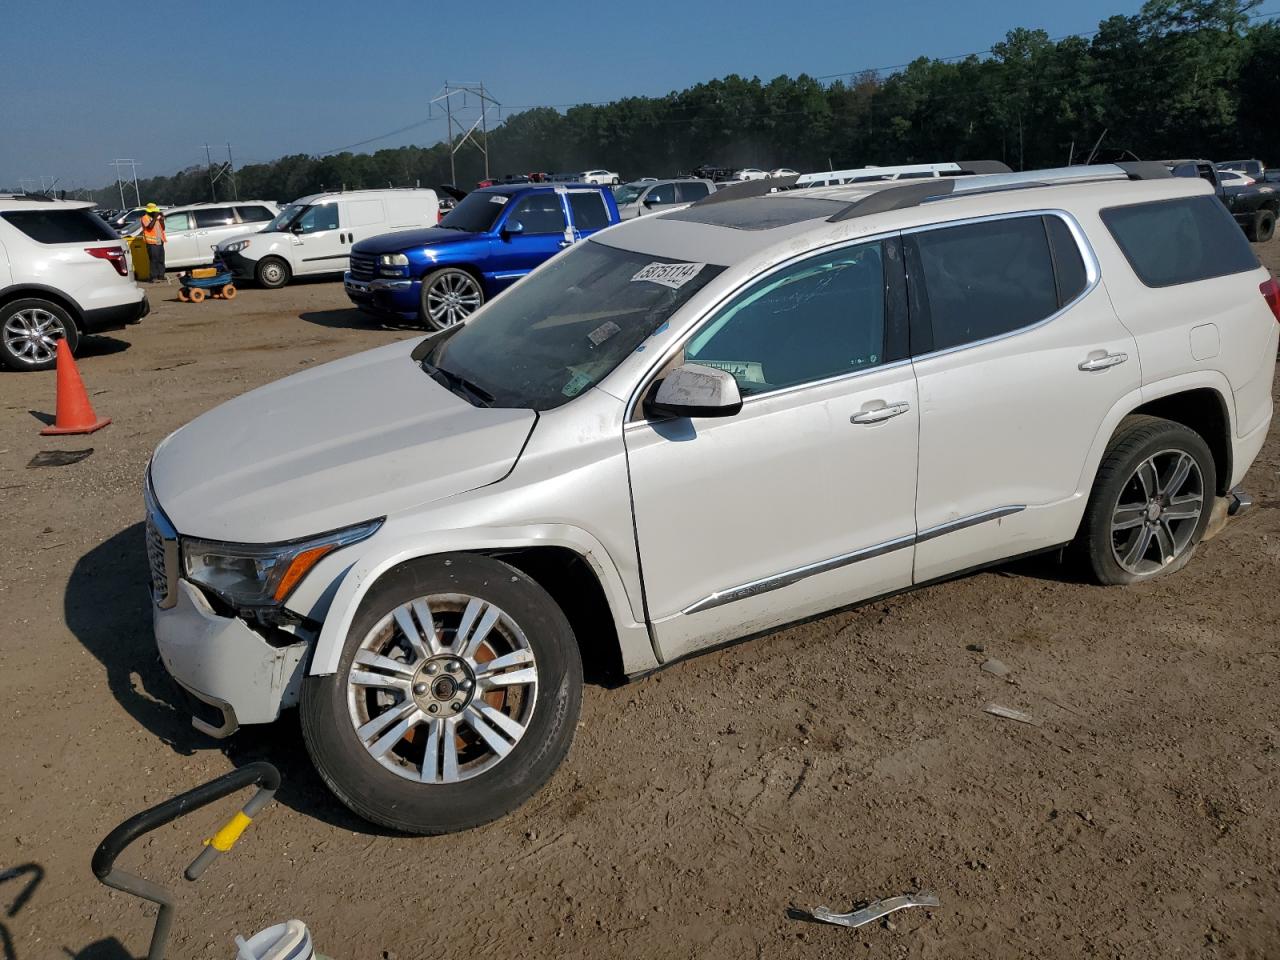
(1234, 178)
(315, 234)
(126, 220)
(637, 199)
(489, 241)
(1251, 168)
(193, 232)
(598, 177)
(750, 173)
(64, 273)
(1254, 206)
(413, 544)
(783, 172)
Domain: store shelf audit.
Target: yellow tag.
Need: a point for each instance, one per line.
(226, 838)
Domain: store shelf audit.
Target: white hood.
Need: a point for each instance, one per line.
(345, 442)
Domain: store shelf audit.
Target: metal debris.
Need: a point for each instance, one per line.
(1010, 714)
(875, 909)
(58, 458)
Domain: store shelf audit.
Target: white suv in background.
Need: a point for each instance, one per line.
(192, 231)
(63, 273)
(695, 427)
(599, 177)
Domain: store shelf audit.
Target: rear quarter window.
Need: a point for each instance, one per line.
(1170, 242)
(60, 226)
(589, 211)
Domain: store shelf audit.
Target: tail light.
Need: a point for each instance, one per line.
(439, 215)
(1271, 293)
(114, 255)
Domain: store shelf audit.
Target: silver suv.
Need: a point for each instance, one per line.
(63, 273)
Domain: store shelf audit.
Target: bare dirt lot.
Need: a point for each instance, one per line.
(845, 759)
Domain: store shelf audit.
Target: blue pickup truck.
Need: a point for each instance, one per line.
(491, 239)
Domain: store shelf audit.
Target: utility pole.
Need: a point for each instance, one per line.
(223, 169)
(133, 169)
(462, 129)
(23, 181)
(231, 172)
(213, 192)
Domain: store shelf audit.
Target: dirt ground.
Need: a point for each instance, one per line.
(845, 759)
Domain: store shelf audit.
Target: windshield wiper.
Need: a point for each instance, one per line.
(458, 385)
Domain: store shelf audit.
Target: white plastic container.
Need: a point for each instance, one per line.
(285, 941)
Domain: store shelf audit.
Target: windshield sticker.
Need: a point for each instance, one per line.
(499, 198)
(673, 275)
(603, 332)
(576, 384)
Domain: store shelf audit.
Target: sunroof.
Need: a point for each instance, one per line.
(760, 213)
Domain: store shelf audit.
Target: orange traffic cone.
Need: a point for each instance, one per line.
(75, 412)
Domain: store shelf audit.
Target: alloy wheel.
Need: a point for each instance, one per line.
(31, 335)
(1157, 512)
(442, 688)
(451, 297)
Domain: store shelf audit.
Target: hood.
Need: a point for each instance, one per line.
(407, 239)
(360, 438)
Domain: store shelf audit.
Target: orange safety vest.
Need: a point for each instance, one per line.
(153, 228)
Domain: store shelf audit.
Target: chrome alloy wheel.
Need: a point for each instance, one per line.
(32, 335)
(1157, 513)
(442, 688)
(451, 297)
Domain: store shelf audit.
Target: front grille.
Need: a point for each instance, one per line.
(156, 559)
(363, 266)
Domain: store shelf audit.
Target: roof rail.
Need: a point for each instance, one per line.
(747, 188)
(909, 171)
(917, 192)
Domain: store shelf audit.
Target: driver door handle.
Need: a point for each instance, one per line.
(1102, 363)
(880, 414)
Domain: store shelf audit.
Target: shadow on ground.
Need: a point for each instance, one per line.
(353, 319)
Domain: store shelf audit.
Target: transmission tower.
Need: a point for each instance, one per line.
(133, 172)
(465, 120)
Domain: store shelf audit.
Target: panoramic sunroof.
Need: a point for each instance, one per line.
(760, 213)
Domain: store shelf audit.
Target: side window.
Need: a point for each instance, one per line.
(589, 211)
(1068, 265)
(1168, 242)
(662, 193)
(212, 217)
(691, 191)
(322, 217)
(177, 222)
(540, 213)
(254, 214)
(820, 318)
(981, 280)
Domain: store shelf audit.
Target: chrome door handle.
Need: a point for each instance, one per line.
(880, 414)
(1102, 363)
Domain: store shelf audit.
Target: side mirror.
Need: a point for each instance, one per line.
(513, 228)
(693, 390)
(296, 228)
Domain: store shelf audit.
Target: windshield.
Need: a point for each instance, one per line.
(628, 192)
(476, 212)
(565, 328)
(285, 217)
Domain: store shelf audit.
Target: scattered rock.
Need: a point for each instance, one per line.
(975, 647)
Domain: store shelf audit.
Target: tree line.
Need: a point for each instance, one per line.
(1186, 78)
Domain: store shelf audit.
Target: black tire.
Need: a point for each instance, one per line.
(464, 281)
(1264, 226)
(384, 797)
(272, 273)
(1138, 439)
(18, 316)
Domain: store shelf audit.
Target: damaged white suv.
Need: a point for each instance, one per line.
(699, 426)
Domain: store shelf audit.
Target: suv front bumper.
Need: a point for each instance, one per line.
(225, 665)
(385, 298)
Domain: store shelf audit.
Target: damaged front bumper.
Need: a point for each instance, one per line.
(235, 675)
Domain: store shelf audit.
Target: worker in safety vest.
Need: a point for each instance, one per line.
(153, 233)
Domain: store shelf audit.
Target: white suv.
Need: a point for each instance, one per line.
(695, 427)
(63, 273)
(599, 177)
(192, 232)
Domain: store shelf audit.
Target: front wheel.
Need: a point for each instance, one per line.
(1264, 226)
(449, 296)
(454, 701)
(1150, 503)
(272, 273)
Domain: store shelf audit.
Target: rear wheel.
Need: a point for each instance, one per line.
(1264, 226)
(449, 296)
(29, 333)
(1150, 503)
(454, 701)
(272, 273)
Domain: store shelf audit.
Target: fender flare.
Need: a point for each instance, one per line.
(637, 649)
(1131, 401)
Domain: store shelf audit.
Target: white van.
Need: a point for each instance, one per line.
(313, 235)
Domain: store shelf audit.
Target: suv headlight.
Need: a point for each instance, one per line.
(237, 246)
(393, 260)
(262, 575)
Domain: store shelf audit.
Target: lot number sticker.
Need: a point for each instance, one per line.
(673, 275)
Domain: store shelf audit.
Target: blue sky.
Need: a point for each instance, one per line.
(81, 83)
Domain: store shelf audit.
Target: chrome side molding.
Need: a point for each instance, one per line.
(789, 577)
